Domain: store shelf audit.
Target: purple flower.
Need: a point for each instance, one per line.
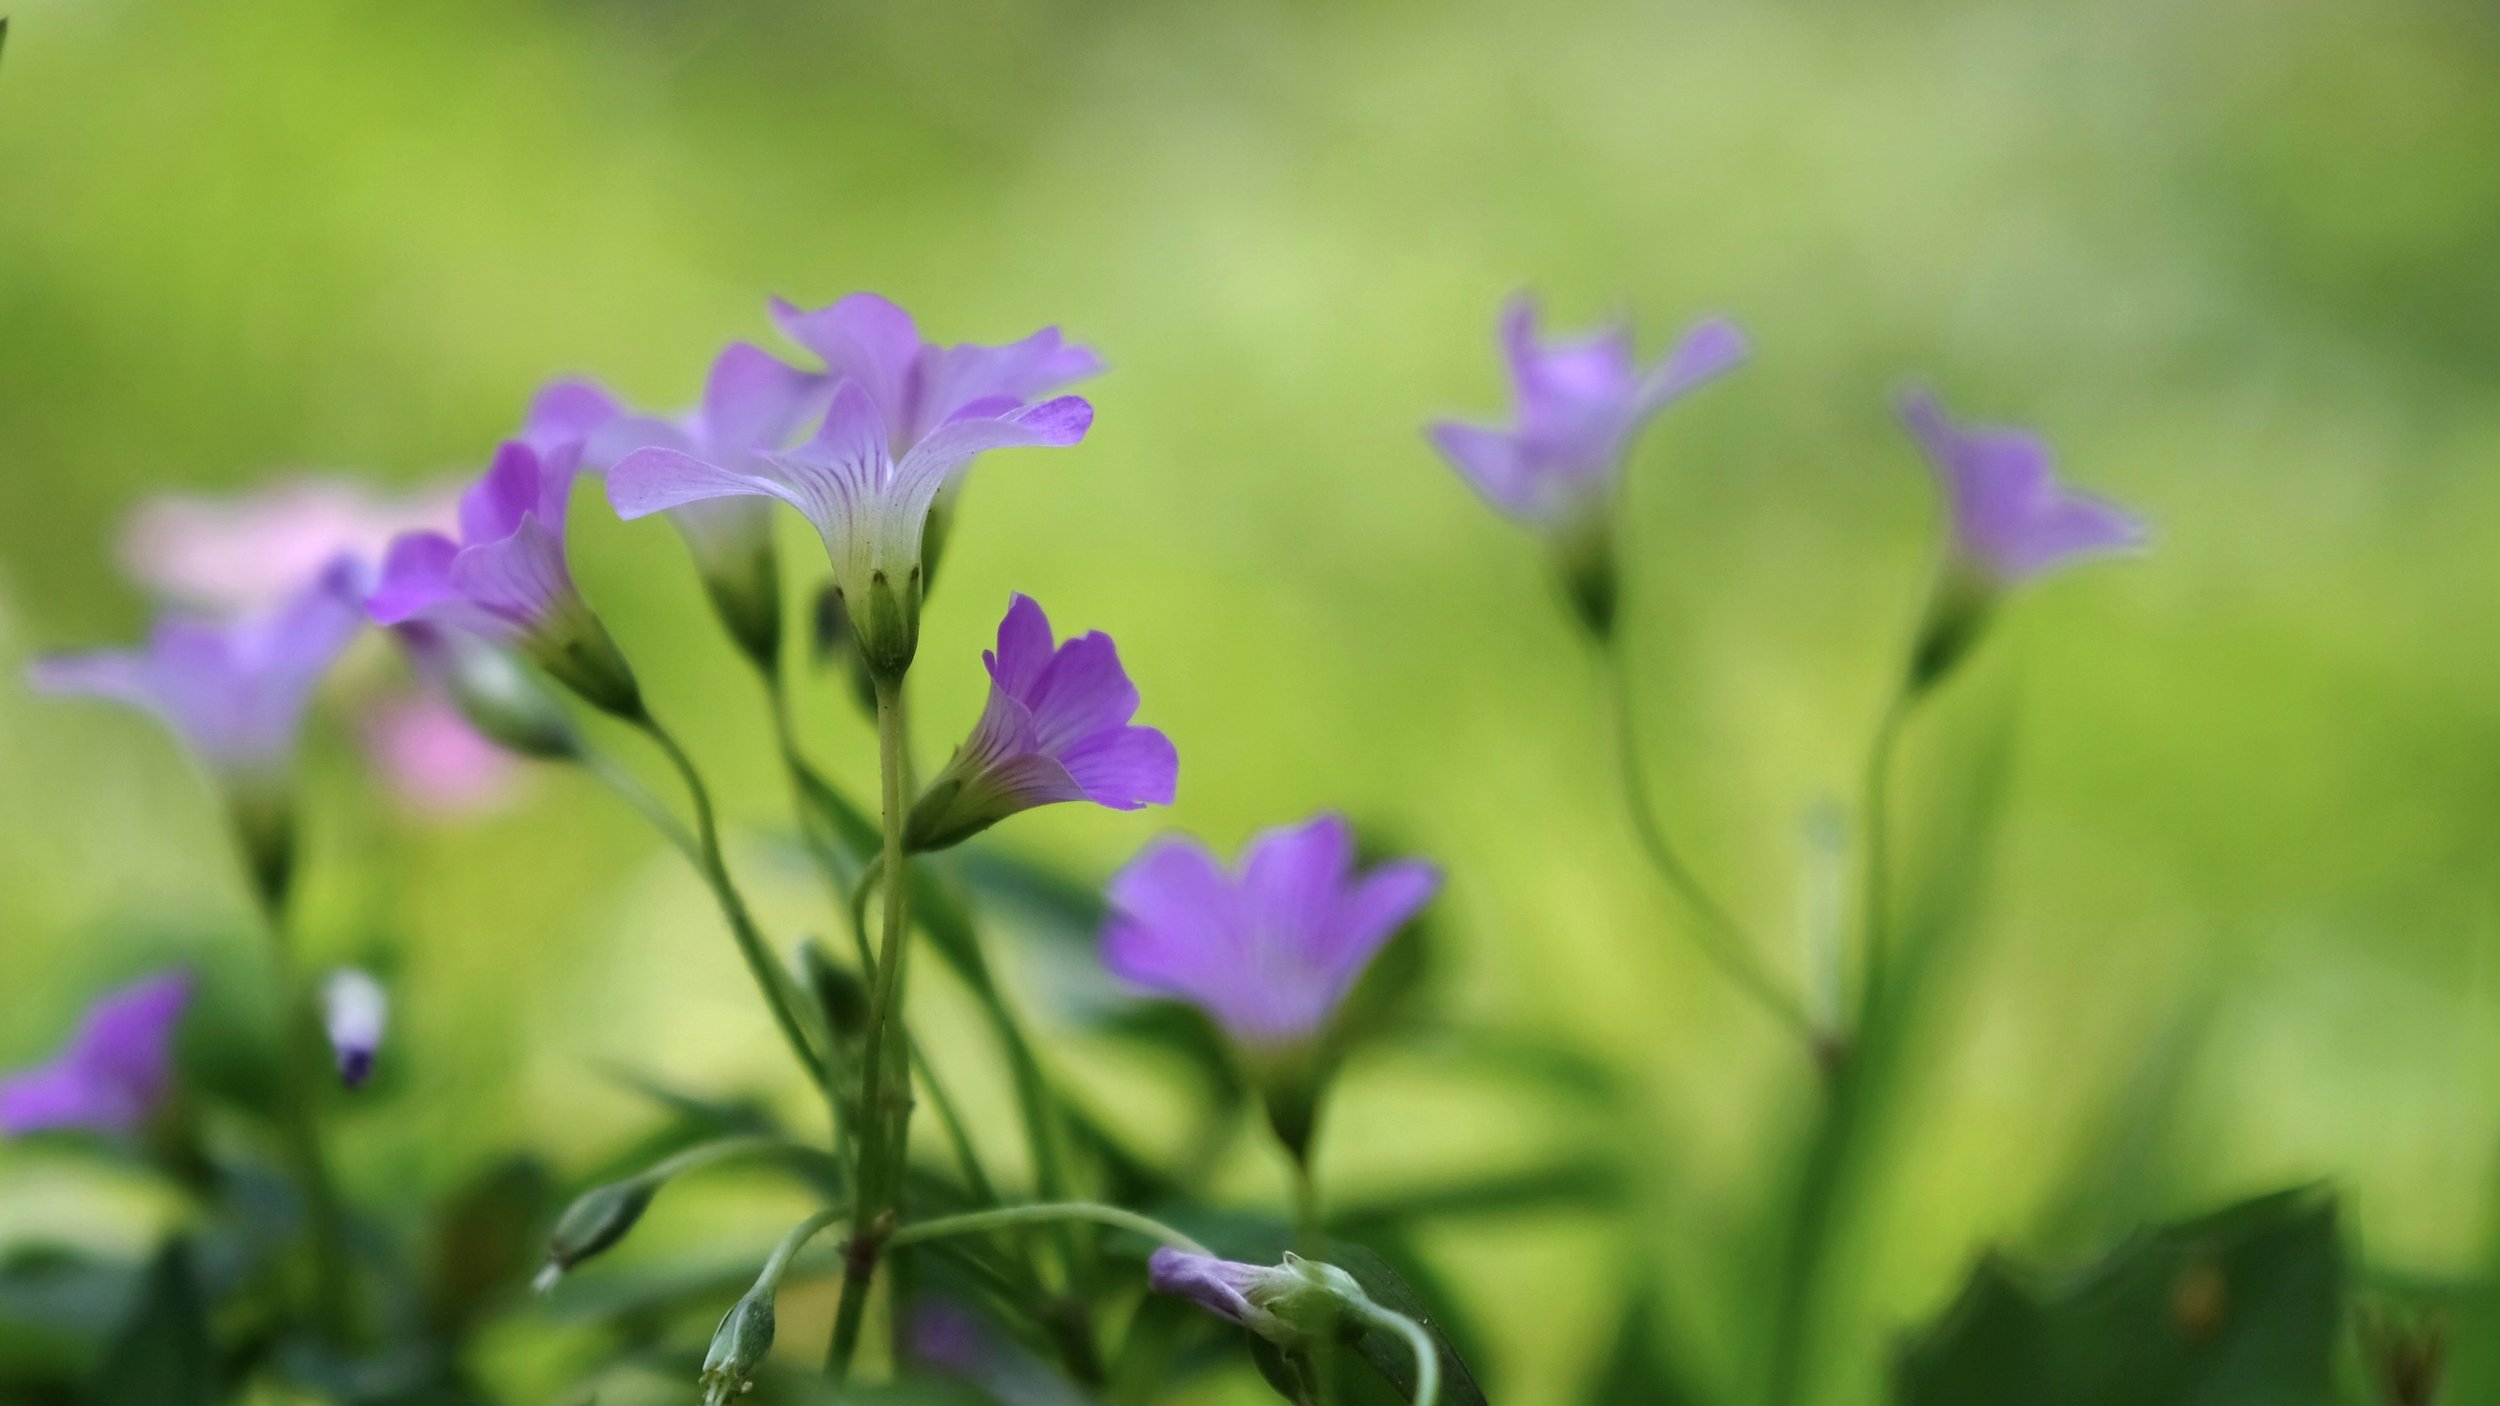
(1289, 1304)
(753, 403)
(1056, 728)
(1577, 405)
(236, 691)
(1269, 952)
(115, 1070)
(920, 386)
(869, 506)
(2012, 519)
(354, 1009)
(505, 578)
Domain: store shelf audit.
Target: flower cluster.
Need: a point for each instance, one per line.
(869, 437)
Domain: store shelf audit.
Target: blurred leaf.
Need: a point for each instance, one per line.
(162, 1356)
(1389, 1353)
(2127, 1151)
(2240, 1308)
(55, 1307)
(1581, 1184)
(1641, 1365)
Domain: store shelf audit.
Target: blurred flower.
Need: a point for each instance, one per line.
(249, 552)
(115, 1070)
(1056, 728)
(868, 506)
(235, 692)
(505, 577)
(354, 1009)
(2012, 519)
(1576, 406)
(752, 403)
(433, 760)
(919, 386)
(1271, 952)
(1290, 1305)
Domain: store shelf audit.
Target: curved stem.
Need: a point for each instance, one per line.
(777, 1266)
(885, 1086)
(769, 977)
(1010, 1217)
(1719, 936)
(1427, 1353)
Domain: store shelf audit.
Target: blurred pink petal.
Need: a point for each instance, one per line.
(246, 552)
(434, 762)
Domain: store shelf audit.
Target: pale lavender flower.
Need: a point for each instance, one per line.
(2012, 519)
(753, 403)
(505, 577)
(115, 1070)
(234, 691)
(354, 1010)
(1056, 728)
(1268, 952)
(869, 506)
(1577, 404)
(919, 386)
(249, 552)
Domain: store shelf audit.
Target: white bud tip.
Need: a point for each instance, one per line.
(547, 1279)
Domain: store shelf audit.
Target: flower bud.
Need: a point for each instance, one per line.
(1957, 614)
(354, 1009)
(1296, 1305)
(263, 816)
(493, 692)
(740, 1345)
(594, 1222)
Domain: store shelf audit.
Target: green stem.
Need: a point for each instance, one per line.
(957, 1133)
(305, 1056)
(885, 1126)
(1427, 1353)
(777, 1267)
(1014, 1217)
(769, 977)
(1719, 936)
(1877, 953)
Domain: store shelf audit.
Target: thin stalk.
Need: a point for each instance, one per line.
(777, 1267)
(1848, 1062)
(1015, 1217)
(1427, 1354)
(769, 977)
(885, 1127)
(1721, 938)
(325, 1222)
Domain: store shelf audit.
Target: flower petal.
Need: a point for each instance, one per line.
(1025, 649)
(863, 338)
(521, 580)
(651, 481)
(416, 576)
(1712, 348)
(1083, 691)
(572, 410)
(754, 400)
(1124, 768)
(493, 506)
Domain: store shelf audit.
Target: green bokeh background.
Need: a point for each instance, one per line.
(2236, 258)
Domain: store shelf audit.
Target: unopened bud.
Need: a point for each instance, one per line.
(498, 697)
(595, 1221)
(1957, 614)
(740, 1345)
(1298, 1304)
(1584, 557)
(354, 1010)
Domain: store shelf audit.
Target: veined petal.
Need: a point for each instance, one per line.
(651, 481)
(521, 579)
(926, 469)
(1082, 691)
(1124, 769)
(1025, 648)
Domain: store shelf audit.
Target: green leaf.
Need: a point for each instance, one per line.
(1642, 1365)
(162, 1356)
(2240, 1308)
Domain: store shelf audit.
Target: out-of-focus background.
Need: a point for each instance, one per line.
(2235, 259)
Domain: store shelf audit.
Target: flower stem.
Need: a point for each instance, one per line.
(769, 977)
(304, 1055)
(778, 1265)
(1720, 937)
(1012, 1217)
(1427, 1354)
(1876, 956)
(885, 1083)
